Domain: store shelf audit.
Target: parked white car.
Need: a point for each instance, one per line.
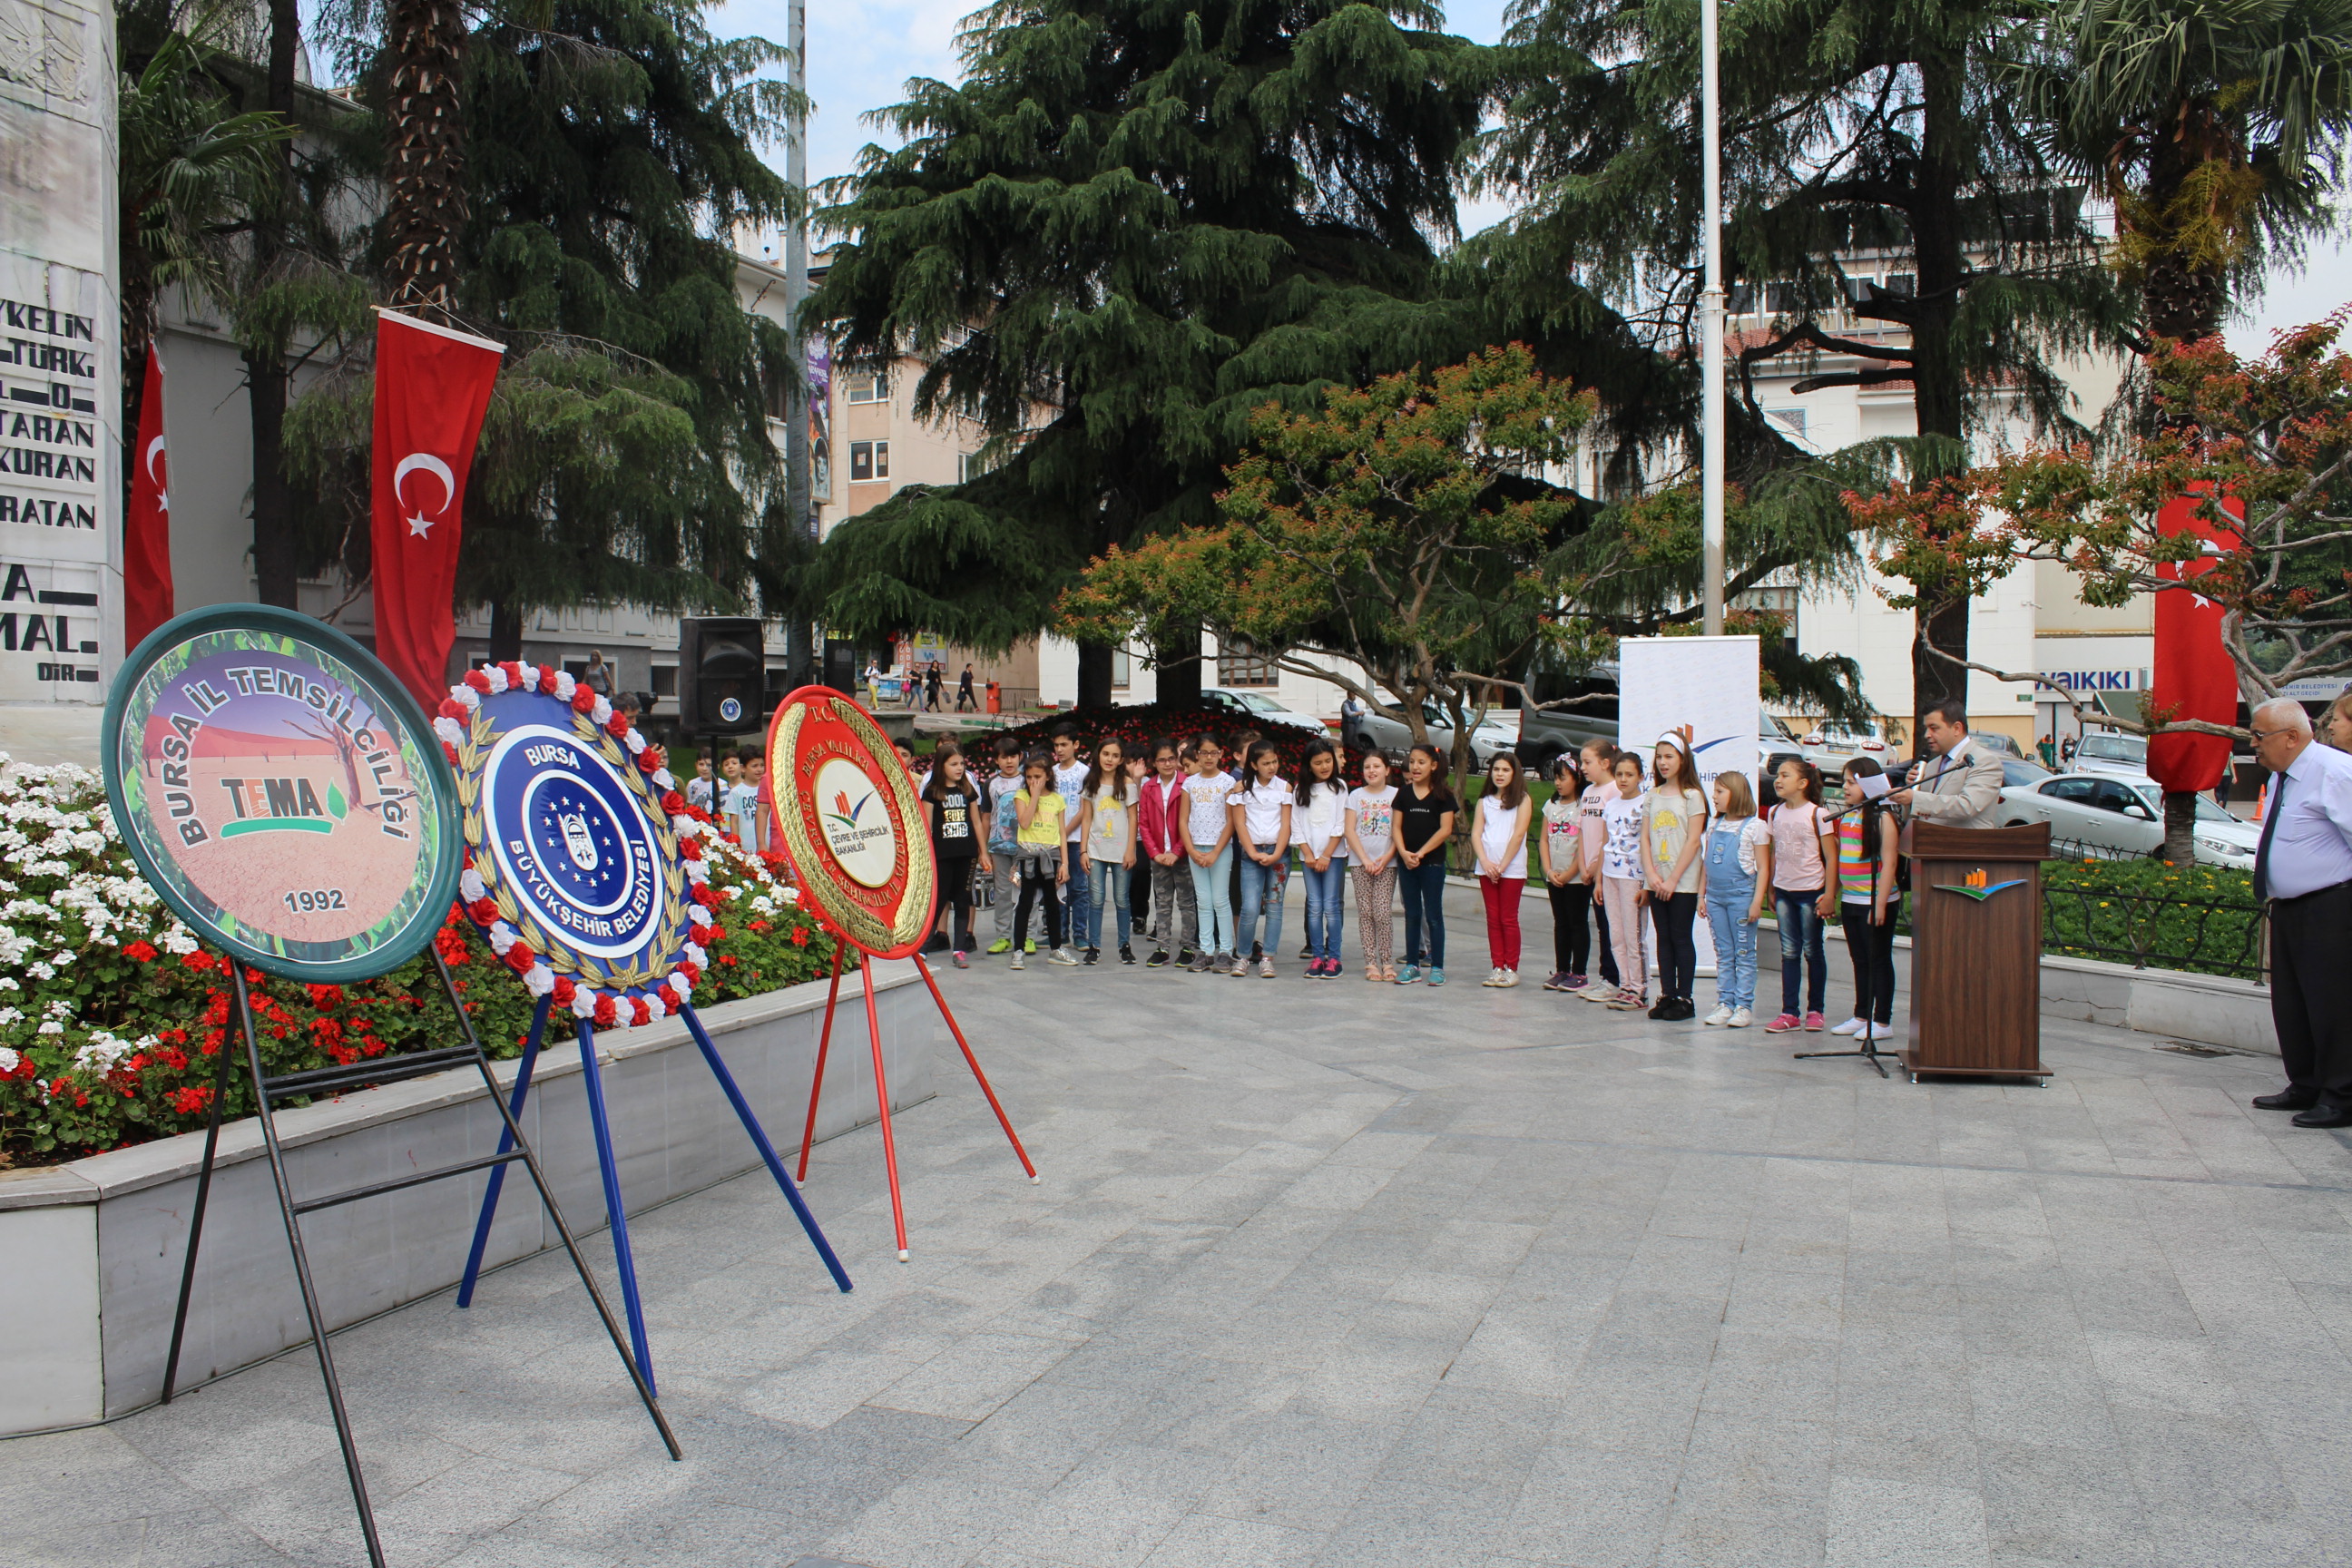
(1372, 731)
(2112, 755)
(1254, 708)
(2124, 816)
(1832, 746)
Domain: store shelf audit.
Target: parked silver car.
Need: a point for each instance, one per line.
(2112, 755)
(1373, 732)
(2124, 816)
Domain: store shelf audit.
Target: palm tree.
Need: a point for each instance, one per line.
(2215, 127)
(425, 154)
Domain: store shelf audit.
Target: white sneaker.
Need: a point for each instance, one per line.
(1878, 1032)
(1720, 1016)
(1851, 1026)
(1062, 955)
(1493, 977)
(1600, 993)
(1016, 963)
(1506, 978)
(1241, 967)
(1739, 1019)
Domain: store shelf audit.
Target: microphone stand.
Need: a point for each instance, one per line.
(1864, 1001)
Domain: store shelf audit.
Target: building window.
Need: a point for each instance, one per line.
(969, 467)
(665, 680)
(869, 460)
(1239, 664)
(870, 386)
(1122, 668)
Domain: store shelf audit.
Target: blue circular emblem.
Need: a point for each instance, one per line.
(570, 841)
(571, 846)
(729, 709)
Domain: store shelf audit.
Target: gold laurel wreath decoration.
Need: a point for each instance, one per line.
(915, 906)
(560, 959)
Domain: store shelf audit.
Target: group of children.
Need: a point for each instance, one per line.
(1194, 851)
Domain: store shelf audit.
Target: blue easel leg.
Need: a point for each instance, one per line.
(767, 1151)
(505, 1141)
(613, 1209)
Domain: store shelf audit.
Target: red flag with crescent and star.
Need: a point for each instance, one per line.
(147, 527)
(2192, 676)
(432, 388)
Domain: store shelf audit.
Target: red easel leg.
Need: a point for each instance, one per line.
(816, 1084)
(882, 1103)
(993, 1104)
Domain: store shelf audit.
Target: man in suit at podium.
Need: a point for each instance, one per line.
(2303, 877)
(1960, 787)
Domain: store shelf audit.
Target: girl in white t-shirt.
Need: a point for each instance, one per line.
(1261, 810)
(1501, 846)
(1372, 864)
(1208, 841)
(1319, 819)
(1620, 882)
(1561, 855)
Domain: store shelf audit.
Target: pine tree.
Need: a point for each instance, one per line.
(1848, 124)
(1153, 218)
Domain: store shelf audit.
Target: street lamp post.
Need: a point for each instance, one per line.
(800, 655)
(1711, 412)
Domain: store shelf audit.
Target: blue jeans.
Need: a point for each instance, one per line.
(1214, 900)
(1106, 889)
(1735, 949)
(1423, 889)
(1801, 941)
(1078, 902)
(1325, 896)
(1262, 889)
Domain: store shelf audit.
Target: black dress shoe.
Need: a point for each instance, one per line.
(2326, 1116)
(2286, 1100)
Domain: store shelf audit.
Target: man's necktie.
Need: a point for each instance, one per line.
(2263, 851)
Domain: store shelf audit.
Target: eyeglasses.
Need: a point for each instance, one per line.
(2261, 735)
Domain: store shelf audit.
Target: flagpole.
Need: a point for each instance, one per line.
(1711, 410)
(800, 655)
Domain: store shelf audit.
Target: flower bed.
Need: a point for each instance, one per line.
(1139, 725)
(2153, 914)
(111, 1015)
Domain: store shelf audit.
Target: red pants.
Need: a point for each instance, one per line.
(1502, 896)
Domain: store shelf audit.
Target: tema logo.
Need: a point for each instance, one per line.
(1973, 885)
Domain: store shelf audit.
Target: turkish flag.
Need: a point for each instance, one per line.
(147, 528)
(432, 387)
(2193, 676)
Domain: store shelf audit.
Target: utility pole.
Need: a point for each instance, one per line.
(1710, 320)
(799, 654)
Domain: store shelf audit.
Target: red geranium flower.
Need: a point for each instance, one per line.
(140, 951)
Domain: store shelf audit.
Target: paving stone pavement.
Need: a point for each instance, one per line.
(1337, 1274)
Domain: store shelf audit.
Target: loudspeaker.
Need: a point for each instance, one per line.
(721, 675)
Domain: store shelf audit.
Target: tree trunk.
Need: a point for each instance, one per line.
(1179, 658)
(2180, 827)
(276, 564)
(1093, 674)
(424, 167)
(506, 631)
(1938, 387)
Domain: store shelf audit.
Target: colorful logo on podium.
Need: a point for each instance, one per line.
(1975, 886)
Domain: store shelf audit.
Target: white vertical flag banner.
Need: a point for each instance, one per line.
(1716, 685)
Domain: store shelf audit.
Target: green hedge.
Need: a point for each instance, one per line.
(2202, 918)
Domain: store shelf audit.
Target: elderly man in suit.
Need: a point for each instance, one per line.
(2303, 879)
(1960, 787)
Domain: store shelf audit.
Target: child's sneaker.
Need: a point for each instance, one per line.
(959, 959)
(1436, 976)
(1127, 955)
(1851, 1026)
(1159, 959)
(1740, 1019)
(1555, 981)
(1815, 1023)
(1629, 1001)
(1063, 955)
(1002, 944)
(1786, 1023)
(1604, 994)
(1186, 958)
(1493, 976)
(1720, 1016)
(1573, 982)
(1094, 955)
(1265, 969)
(1409, 975)
(1509, 978)
(1241, 968)
(1017, 962)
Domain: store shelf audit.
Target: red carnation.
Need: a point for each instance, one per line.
(520, 958)
(482, 911)
(583, 700)
(452, 709)
(564, 991)
(689, 849)
(516, 679)
(449, 751)
(617, 726)
(140, 951)
(606, 1012)
(709, 897)
(479, 679)
(691, 970)
(640, 1013)
(649, 760)
(674, 803)
(547, 680)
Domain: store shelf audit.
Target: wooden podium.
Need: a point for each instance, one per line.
(1976, 951)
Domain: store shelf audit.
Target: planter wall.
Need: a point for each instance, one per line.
(90, 1252)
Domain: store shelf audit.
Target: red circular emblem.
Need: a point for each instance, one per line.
(848, 820)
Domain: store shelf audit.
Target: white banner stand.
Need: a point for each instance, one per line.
(1713, 684)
